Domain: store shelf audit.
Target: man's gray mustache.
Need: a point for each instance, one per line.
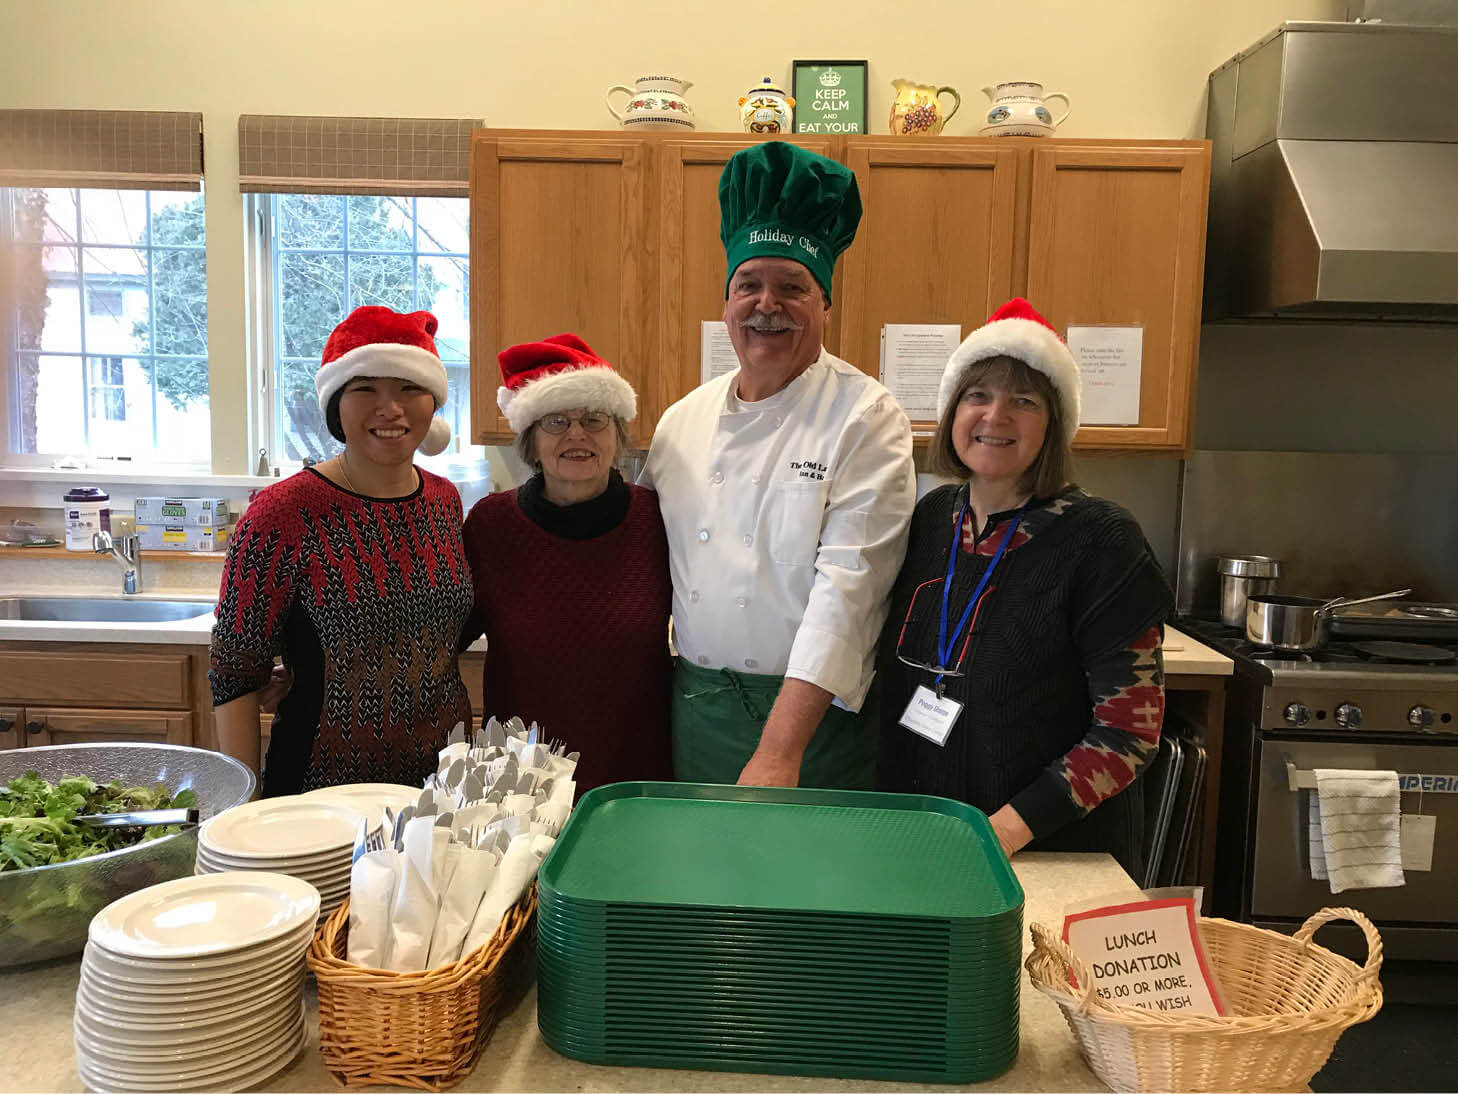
(769, 324)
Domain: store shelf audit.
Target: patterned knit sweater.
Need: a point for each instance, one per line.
(1063, 674)
(364, 599)
(574, 603)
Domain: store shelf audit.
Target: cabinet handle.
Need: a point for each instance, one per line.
(35, 727)
(6, 724)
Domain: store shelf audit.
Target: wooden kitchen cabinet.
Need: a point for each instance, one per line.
(559, 242)
(1117, 236)
(1093, 232)
(72, 726)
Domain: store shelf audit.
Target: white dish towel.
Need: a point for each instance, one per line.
(1354, 830)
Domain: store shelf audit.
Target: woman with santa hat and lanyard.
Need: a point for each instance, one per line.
(352, 570)
(1021, 656)
(571, 570)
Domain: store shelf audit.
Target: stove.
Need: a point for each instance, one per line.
(1345, 706)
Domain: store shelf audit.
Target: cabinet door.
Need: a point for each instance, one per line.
(692, 267)
(935, 243)
(557, 244)
(69, 726)
(1117, 237)
(12, 727)
(473, 667)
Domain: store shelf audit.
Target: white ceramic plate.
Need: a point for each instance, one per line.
(134, 1009)
(164, 970)
(128, 1018)
(332, 877)
(321, 860)
(201, 916)
(368, 798)
(275, 828)
(154, 1037)
(131, 1073)
(113, 1053)
(238, 1078)
(123, 988)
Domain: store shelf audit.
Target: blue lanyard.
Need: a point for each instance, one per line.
(945, 644)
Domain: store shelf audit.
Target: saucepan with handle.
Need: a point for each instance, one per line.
(1298, 623)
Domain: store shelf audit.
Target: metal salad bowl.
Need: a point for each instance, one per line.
(45, 910)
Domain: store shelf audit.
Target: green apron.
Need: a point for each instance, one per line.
(719, 714)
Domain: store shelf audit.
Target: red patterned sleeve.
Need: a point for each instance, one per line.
(256, 595)
(1127, 688)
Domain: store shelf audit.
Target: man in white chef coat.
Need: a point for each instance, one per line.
(786, 488)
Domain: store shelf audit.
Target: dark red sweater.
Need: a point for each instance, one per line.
(577, 628)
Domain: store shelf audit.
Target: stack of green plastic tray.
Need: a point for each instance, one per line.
(802, 932)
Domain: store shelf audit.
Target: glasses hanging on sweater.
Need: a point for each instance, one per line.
(916, 645)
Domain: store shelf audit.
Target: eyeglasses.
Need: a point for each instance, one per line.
(592, 421)
(919, 630)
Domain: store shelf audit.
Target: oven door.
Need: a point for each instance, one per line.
(1281, 881)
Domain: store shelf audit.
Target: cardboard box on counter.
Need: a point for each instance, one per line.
(182, 537)
(203, 512)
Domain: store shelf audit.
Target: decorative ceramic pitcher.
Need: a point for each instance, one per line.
(766, 109)
(916, 110)
(654, 102)
(1018, 110)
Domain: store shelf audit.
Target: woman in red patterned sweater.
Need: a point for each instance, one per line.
(353, 571)
(571, 571)
(1034, 689)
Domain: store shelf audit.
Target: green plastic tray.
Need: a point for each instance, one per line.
(827, 851)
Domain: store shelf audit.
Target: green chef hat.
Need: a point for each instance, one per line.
(778, 199)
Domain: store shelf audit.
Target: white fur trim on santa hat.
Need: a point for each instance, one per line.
(384, 359)
(588, 388)
(1028, 341)
(436, 437)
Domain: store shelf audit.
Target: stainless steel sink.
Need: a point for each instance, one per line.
(98, 610)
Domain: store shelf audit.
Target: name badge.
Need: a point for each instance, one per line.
(929, 716)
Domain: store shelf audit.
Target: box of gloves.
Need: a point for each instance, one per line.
(183, 524)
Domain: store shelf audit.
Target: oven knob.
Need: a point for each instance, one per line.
(1349, 716)
(1421, 718)
(1297, 714)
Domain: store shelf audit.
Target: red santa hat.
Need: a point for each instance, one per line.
(560, 373)
(1017, 330)
(382, 342)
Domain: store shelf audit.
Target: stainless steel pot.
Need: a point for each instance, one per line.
(1241, 577)
(1298, 623)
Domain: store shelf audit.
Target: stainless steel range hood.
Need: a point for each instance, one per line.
(1334, 188)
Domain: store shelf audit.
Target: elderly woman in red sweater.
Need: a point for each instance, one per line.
(571, 570)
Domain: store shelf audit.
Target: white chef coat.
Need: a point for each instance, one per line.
(787, 521)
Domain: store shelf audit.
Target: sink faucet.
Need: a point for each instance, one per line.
(128, 553)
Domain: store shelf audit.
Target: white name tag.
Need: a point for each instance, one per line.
(929, 716)
(1418, 833)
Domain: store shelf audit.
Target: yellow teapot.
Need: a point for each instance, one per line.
(917, 110)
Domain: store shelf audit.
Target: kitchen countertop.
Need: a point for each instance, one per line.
(1183, 655)
(36, 1053)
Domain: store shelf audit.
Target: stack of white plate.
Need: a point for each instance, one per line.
(309, 838)
(195, 984)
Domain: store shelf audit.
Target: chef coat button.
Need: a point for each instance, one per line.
(754, 477)
(694, 597)
(751, 663)
(748, 540)
(742, 601)
(717, 477)
(779, 421)
(703, 660)
(703, 535)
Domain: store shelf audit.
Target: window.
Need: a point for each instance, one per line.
(331, 253)
(109, 341)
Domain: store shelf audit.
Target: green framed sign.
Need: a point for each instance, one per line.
(830, 96)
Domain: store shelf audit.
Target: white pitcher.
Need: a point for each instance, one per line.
(654, 102)
(1019, 110)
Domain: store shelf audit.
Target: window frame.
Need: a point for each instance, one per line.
(142, 461)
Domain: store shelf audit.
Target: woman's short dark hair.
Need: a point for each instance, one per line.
(526, 444)
(1053, 466)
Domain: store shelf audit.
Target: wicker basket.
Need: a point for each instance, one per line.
(421, 1029)
(1288, 1001)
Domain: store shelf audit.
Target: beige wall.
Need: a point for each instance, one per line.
(1134, 68)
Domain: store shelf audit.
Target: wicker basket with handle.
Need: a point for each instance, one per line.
(421, 1029)
(1288, 1000)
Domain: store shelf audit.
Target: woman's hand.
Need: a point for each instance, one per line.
(273, 692)
(1011, 831)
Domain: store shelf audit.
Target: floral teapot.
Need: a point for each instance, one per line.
(917, 110)
(654, 102)
(766, 109)
(1018, 110)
